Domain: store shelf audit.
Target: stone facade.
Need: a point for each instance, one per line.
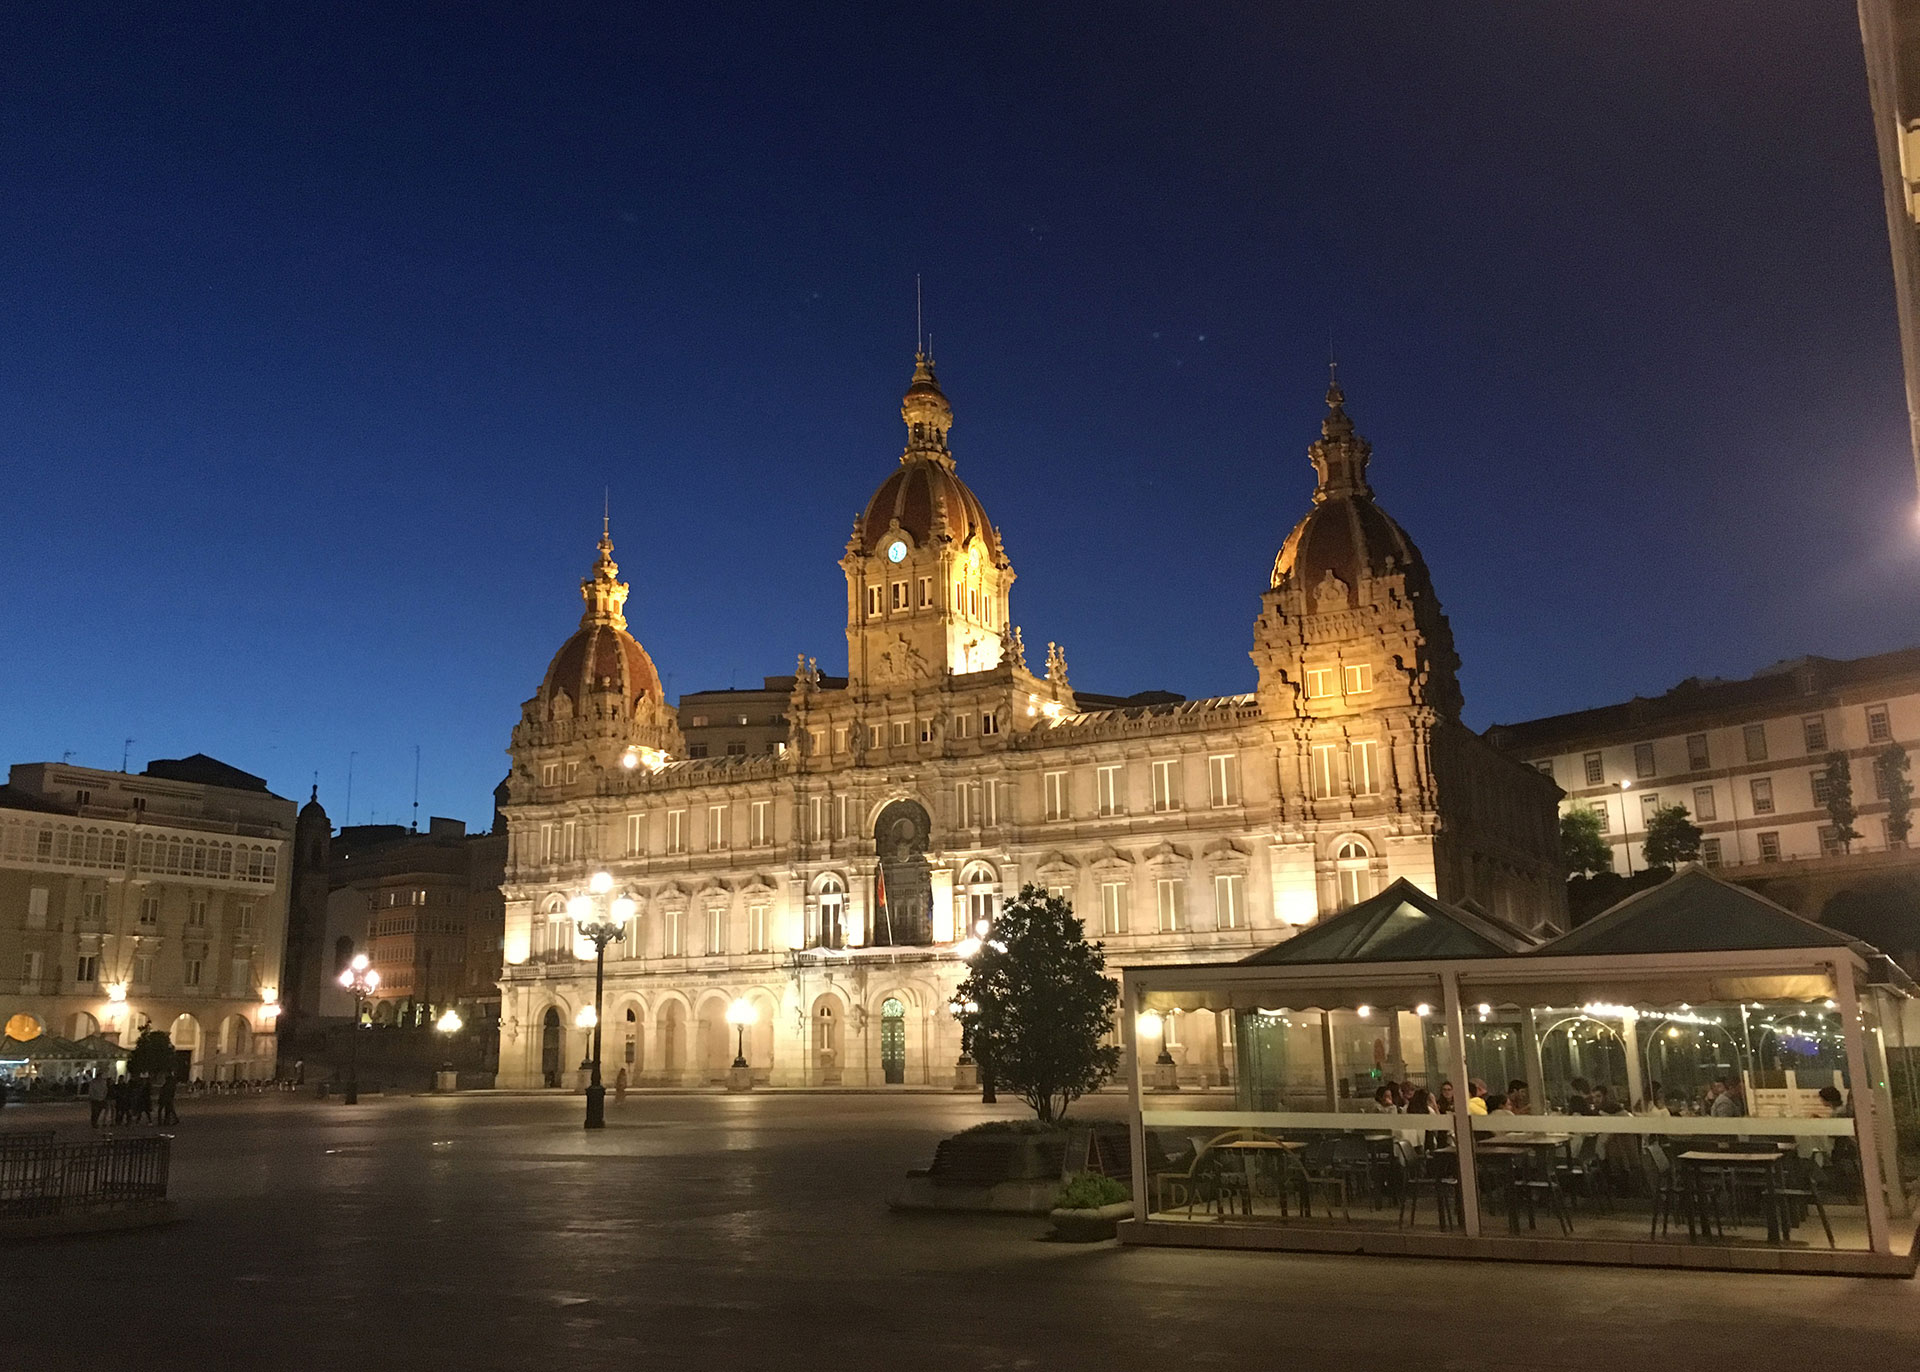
(826, 883)
(152, 900)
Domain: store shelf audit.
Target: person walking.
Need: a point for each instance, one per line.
(620, 1087)
(143, 1101)
(168, 1085)
(96, 1100)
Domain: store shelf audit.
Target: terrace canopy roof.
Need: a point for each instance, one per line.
(1400, 924)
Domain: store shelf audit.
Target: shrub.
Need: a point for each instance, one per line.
(1090, 1191)
(1011, 1127)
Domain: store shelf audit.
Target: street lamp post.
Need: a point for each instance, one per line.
(1626, 826)
(449, 1024)
(740, 1014)
(601, 921)
(362, 981)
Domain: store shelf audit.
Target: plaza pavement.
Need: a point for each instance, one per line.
(718, 1232)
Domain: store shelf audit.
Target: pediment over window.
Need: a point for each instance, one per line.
(1226, 855)
(1056, 863)
(1167, 852)
(1107, 858)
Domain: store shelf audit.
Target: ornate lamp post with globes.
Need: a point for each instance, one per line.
(740, 1014)
(600, 920)
(363, 981)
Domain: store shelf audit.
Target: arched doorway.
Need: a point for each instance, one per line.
(980, 885)
(236, 1047)
(551, 1038)
(903, 888)
(826, 1041)
(632, 1056)
(830, 929)
(893, 1041)
(673, 1041)
(187, 1057)
(83, 1026)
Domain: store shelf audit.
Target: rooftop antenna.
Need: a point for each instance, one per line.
(416, 790)
(66, 757)
(1333, 363)
(347, 818)
(918, 330)
(126, 751)
(606, 512)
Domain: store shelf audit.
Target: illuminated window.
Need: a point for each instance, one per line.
(1364, 767)
(1228, 900)
(1109, 798)
(1113, 907)
(1170, 898)
(1595, 772)
(1319, 682)
(1325, 771)
(1166, 786)
(1223, 780)
(757, 932)
(1055, 786)
(760, 823)
(1359, 679)
(1353, 872)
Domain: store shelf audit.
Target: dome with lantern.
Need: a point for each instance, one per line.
(925, 499)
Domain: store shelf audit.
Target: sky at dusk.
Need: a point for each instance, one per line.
(323, 328)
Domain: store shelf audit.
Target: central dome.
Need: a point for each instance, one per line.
(602, 657)
(1346, 536)
(925, 499)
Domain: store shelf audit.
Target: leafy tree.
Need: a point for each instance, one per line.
(1896, 786)
(1672, 837)
(1584, 850)
(152, 1055)
(1839, 779)
(1038, 1005)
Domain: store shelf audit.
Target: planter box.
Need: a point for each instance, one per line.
(1089, 1226)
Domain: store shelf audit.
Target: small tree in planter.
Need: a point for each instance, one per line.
(1896, 788)
(1039, 1004)
(152, 1055)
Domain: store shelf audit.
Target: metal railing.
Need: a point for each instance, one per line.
(40, 1177)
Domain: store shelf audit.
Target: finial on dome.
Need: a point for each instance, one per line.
(1340, 456)
(604, 592)
(926, 411)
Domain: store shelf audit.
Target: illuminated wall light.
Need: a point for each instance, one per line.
(1423, 1009)
(1366, 1011)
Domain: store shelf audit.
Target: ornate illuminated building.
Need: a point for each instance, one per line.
(827, 882)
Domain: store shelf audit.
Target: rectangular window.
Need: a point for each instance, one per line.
(240, 974)
(757, 935)
(875, 603)
(670, 933)
(569, 838)
(1770, 846)
(93, 909)
(1054, 786)
(30, 965)
(1604, 813)
(1364, 766)
(86, 968)
(966, 804)
(190, 974)
(900, 601)
(961, 725)
(761, 823)
(1643, 759)
(1703, 803)
(37, 907)
(1319, 682)
(676, 831)
(926, 593)
(1325, 770)
(1229, 905)
(1359, 679)
(736, 750)
(716, 828)
(817, 817)
(839, 738)
(1814, 729)
(549, 774)
(197, 913)
(1223, 780)
(716, 929)
(875, 735)
(1113, 907)
(1762, 788)
(573, 772)
(816, 742)
(973, 602)
(142, 969)
(1544, 766)
(926, 731)
(636, 834)
(1171, 904)
(1755, 737)
(842, 815)
(1879, 724)
(1821, 785)
(1649, 803)
(1166, 786)
(696, 750)
(243, 913)
(1830, 844)
(1595, 773)
(149, 911)
(1109, 798)
(899, 733)
(989, 723)
(1696, 752)
(1710, 851)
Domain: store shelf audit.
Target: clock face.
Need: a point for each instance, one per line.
(896, 551)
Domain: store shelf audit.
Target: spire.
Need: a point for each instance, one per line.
(927, 414)
(1340, 456)
(604, 592)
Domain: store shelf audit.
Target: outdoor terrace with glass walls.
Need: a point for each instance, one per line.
(1696, 1077)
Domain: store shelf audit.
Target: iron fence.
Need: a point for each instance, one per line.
(40, 1177)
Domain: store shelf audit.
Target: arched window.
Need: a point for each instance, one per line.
(981, 885)
(1353, 870)
(832, 930)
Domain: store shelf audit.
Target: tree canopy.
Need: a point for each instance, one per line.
(152, 1055)
(1037, 1005)
(1672, 837)
(1839, 783)
(1890, 767)
(1584, 849)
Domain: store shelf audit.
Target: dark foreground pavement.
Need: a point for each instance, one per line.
(743, 1232)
